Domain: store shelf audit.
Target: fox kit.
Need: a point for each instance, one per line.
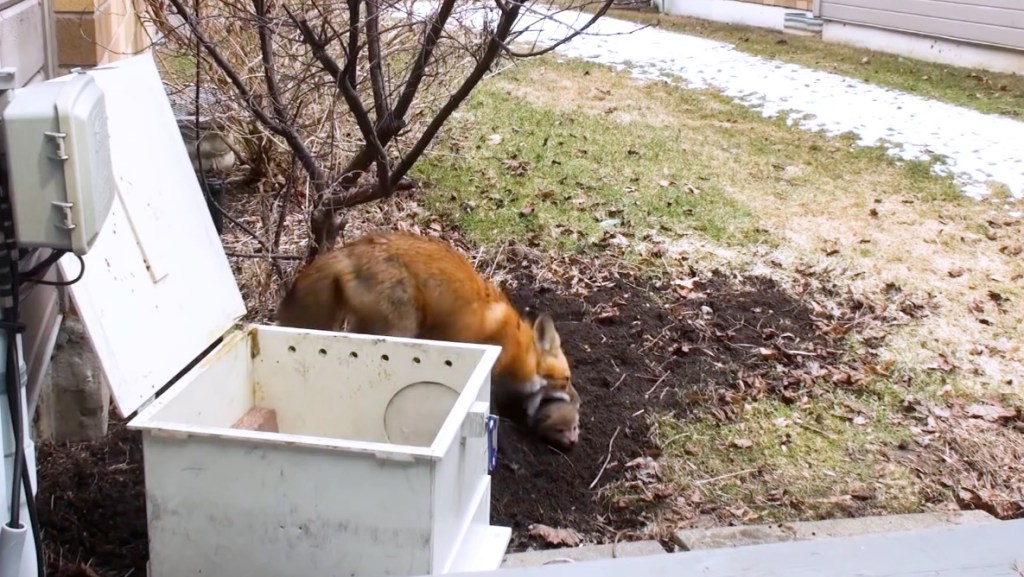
(554, 417)
(406, 285)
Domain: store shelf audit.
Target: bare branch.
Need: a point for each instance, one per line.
(390, 129)
(376, 62)
(287, 132)
(494, 47)
(605, 6)
(365, 194)
(348, 91)
(353, 41)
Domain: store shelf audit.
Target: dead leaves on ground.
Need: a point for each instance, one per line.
(977, 453)
(560, 537)
(991, 413)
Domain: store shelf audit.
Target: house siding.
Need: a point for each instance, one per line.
(794, 4)
(988, 22)
(27, 44)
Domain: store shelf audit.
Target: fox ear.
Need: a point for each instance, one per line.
(547, 336)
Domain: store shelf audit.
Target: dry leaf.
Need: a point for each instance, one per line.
(553, 536)
(742, 443)
(768, 354)
(990, 413)
(643, 463)
(863, 494)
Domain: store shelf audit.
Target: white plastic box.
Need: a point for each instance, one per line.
(380, 466)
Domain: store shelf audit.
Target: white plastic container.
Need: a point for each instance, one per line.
(380, 466)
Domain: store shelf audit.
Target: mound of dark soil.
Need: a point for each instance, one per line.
(92, 504)
(633, 357)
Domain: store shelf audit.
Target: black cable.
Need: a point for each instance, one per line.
(8, 294)
(81, 273)
(12, 325)
(46, 263)
(33, 518)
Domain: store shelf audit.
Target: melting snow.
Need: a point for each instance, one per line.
(973, 146)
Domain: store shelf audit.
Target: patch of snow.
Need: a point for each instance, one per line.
(972, 146)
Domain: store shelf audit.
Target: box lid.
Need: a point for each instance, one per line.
(157, 289)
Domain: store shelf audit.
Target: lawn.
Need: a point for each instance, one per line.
(862, 344)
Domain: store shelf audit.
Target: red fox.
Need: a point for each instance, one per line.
(407, 285)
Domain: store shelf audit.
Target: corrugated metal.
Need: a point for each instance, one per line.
(992, 22)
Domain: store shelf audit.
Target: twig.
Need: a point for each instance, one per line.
(364, 194)
(663, 377)
(815, 430)
(726, 476)
(264, 255)
(348, 91)
(494, 45)
(388, 127)
(606, 459)
(619, 382)
(600, 12)
(289, 133)
(376, 61)
(497, 257)
(660, 336)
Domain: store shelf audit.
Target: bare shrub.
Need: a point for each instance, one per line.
(334, 101)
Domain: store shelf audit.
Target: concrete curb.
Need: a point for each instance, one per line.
(739, 536)
(585, 553)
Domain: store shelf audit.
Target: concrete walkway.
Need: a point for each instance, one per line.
(988, 549)
(747, 535)
(977, 147)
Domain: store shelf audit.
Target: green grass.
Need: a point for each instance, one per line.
(982, 90)
(556, 168)
(810, 458)
(569, 152)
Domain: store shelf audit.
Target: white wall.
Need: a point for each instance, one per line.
(924, 48)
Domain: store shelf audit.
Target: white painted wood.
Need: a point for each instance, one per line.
(984, 550)
(328, 492)
(147, 331)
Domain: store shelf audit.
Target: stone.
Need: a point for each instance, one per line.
(74, 403)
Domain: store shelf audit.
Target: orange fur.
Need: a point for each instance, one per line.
(407, 285)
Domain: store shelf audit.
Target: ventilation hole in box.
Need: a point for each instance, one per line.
(383, 357)
(416, 360)
(291, 348)
(354, 355)
(447, 363)
(322, 352)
